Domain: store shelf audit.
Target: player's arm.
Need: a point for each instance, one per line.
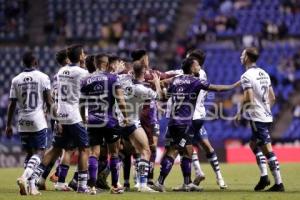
(51, 108)
(272, 98)
(10, 113)
(122, 103)
(221, 88)
(82, 107)
(158, 89)
(248, 98)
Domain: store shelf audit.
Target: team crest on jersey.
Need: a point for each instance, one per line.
(128, 91)
(28, 79)
(66, 73)
(98, 87)
(261, 74)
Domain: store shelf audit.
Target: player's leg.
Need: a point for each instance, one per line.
(35, 144)
(103, 167)
(200, 176)
(139, 140)
(126, 152)
(63, 169)
(262, 164)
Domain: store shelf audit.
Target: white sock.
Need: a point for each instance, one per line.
(274, 167)
(33, 163)
(196, 165)
(42, 181)
(262, 164)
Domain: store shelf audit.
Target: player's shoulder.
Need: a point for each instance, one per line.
(41, 74)
(202, 75)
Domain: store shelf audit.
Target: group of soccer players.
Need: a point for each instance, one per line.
(106, 110)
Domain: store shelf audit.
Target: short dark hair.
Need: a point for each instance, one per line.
(90, 64)
(252, 53)
(29, 59)
(113, 58)
(61, 56)
(199, 55)
(186, 65)
(74, 53)
(138, 68)
(98, 58)
(138, 54)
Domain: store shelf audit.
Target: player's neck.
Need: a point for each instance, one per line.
(250, 65)
(29, 69)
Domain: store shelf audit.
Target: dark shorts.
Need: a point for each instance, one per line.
(34, 140)
(100, 136)
(168, 138)
(198, 132)
(128, 130)
(180, 135)
(151, 130)
(260, 132)
(74, 135)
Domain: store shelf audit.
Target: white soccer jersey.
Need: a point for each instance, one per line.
(68, 89)
(200, 112)
(135, 95)
(28, 88)
(259, 80)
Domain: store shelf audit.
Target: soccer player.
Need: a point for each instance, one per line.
(101, 90)
(257, 102)
(200, 135)
(149, 115)
(184, 91)
(30, 90)
(72, 133)
(62, 60)
(136, 94)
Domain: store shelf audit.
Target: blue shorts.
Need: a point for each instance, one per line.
(34, 140)
(128, 130)
(180, 135)
(198, 131)
(260, 132)
(74, 135)
(100, 136)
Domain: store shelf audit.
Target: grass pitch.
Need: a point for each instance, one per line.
(240, 179)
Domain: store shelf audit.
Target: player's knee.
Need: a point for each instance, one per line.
(153, 149)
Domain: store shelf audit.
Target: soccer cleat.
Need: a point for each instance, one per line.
(22, 183)
(263, 182)
(146, 189)
(188, 188)
(276, 188)
(34, 192)
(198, 180)
(73, 184)
(53, 178)
(126, 186)
(93, 191)
(150, 182)
(102, 182)
(62, 187)
(117, 190)
(136, 186)
(158, 187)
(41, 186)
(83, 190)
(221, 183)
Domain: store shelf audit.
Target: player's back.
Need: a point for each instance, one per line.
(259, 80)
(68, 88)
(200, 111)
(184, 91)
(28, 89)
(99, 90)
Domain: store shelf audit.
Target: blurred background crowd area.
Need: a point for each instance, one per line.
(167, 29)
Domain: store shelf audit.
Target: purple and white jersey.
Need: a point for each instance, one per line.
(184, 91)
(99, 90)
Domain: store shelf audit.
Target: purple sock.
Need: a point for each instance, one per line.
(63, 172)
(151, 165)
(114, 168)
(186, 169)
(165, 168)
(93, 166)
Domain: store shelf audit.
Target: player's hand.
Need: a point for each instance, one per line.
(126, 122)
(9, 131)
(237, 84)
(156, 79)
(237, 120)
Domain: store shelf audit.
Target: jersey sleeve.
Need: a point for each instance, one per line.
(13, 90)
(145, 93)
(46, 83)
(245, 82)
(116, 82)
(202, 85)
